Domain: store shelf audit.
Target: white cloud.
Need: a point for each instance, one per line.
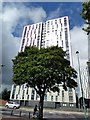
(79, 41)
(37, 15)
(54, 14)
(12, 13)
(10, 16)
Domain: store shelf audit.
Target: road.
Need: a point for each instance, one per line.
(50, 114)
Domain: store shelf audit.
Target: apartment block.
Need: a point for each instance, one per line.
(54, 32)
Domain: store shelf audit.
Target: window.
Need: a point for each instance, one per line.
(61, 24)
(60, 35)
(25, 31)
(34, 31)
(66, 34)
(39, 31)
(27, 91)
(71, 98)
(56, 98)
(48, 23)
(35, 36)
(65, 22)
(19, 90)
(62, 95)
(67, 44)
(48, 26)
(61, 29)
(39, 26)
(17, 96)
(60, 20)
(27, 97)
(27, 41)
(66, 37)
(14, 88)
(62, 43)
(31, 32)
(57, 25)
(38, 40)
(55, 21)
(36, 26)
(56, 32)
(51, 22)
(11, 102)
(23, 94)
(70, 90)
(32, 94)
(51, 98)
(23, 42)
(45, 97)
(33, 27)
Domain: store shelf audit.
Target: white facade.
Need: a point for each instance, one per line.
(24, 93)
(85, 83)
(42, 35)
(50, 33)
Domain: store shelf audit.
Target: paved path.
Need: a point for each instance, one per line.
(13, 118)
(51, 114)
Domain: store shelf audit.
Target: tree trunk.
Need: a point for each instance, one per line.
(41, 107)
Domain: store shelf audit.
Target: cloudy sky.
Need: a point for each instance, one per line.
(15, 15)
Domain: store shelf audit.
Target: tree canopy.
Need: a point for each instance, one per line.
(43, 69)
(86, 15)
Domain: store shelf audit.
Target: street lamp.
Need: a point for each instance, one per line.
(88, 63)
(1, 66)
(77, 52)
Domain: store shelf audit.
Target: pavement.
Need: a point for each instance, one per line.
(49, 114)
(77, 111)
(21, 118)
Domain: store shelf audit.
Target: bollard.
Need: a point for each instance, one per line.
(20, 114)
(11, 112)
(29, 114)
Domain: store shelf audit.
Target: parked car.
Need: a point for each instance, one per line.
(11, 104)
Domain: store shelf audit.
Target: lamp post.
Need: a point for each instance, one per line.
(1, 66)
(88, 63)
(77, 52)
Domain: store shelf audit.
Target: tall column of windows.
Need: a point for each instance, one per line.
(62, 95)
(13, 93)
(32, 94)
(23, 38)
(43, 35)
(70, 92)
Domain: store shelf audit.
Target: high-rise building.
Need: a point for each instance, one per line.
(54, 32)
(84, 78)
(50, 33)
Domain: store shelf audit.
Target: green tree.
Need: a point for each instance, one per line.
(86, 15)
(5, 94)
(43, 69)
